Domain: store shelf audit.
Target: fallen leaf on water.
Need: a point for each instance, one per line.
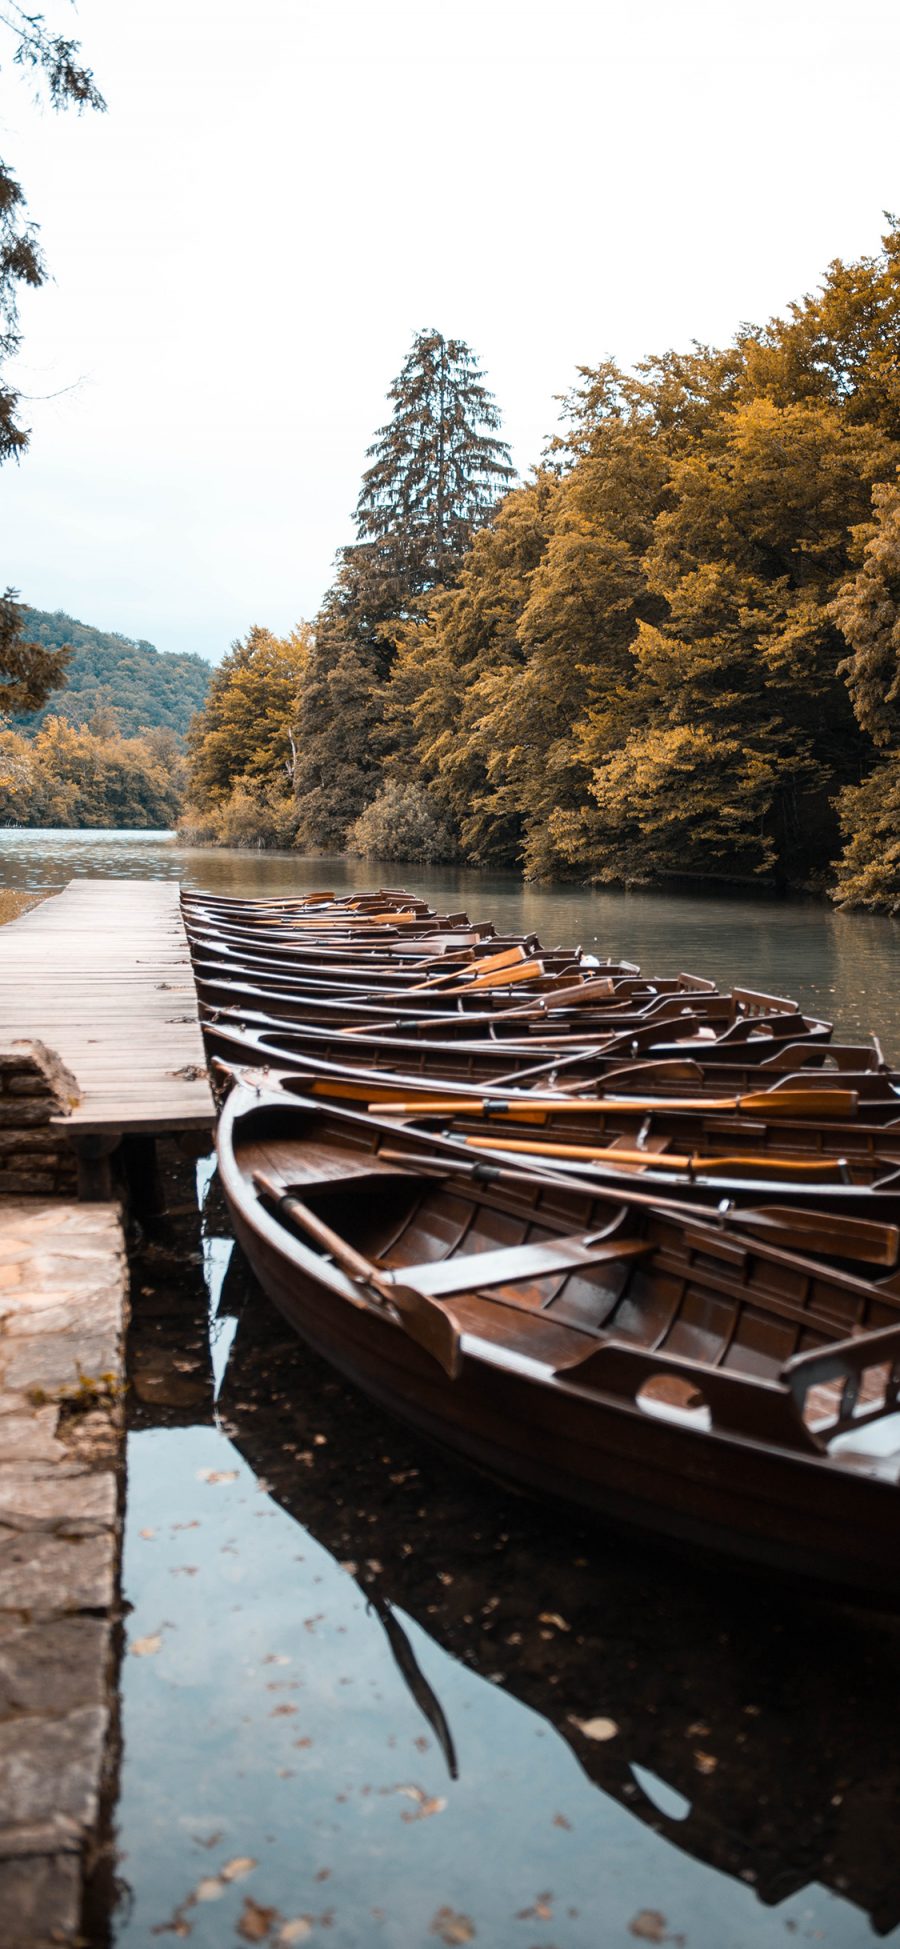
(705, 1762)
(425, 1809)
(146, 1647)
(176, 1925)
(452, 1928)
(217, 1475)
(147, 1534)
(425, 1804)
(209, 1889)
(648, 1925)
(553, 1617)
(243, 1864)
(596, 1728)
(540, 1909)
(297, 1930)
(559, 1820)
(256, 1922)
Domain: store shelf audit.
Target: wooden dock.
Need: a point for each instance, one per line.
(102, 974)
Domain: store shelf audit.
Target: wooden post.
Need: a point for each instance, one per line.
(93, 1151)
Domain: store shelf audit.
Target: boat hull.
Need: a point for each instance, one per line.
(797, 1515)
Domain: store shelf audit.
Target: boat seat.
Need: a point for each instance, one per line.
(472, 1271)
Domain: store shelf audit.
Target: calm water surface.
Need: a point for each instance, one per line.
(844, 966)
(370, 1698)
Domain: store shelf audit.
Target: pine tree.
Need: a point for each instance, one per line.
(437, 472)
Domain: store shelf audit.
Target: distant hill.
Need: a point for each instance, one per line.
(144, 686)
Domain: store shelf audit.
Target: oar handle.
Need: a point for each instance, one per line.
(429, 1324)
(345, 1255)
(765, 1164)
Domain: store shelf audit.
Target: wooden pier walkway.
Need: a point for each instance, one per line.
(102, 974)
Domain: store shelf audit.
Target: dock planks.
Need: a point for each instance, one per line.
(102, 974)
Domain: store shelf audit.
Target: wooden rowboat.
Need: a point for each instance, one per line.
(688, 1378)
(843, 1200)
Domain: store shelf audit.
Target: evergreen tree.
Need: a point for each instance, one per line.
(437, 471)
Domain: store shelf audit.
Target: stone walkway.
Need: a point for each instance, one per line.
(63, 1307)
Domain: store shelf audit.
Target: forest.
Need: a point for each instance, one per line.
(672, 652)
(91, 725)
(147, 688)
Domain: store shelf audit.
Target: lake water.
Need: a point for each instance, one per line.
(371, 1698)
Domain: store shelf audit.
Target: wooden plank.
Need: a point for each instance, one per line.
(102, 973)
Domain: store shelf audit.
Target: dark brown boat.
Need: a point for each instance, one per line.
(683, 1377)
(698, 1156)
(257, 1037)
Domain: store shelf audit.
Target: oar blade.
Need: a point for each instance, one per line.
(431, 1326)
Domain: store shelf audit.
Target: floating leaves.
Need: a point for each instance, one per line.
(211, 1888)
(217, 1475)
(648, 1925)
(146, 1647)
(256, 1923)
(452, 1928)
(541, 1909)
(596, 1728)
(426, 1804)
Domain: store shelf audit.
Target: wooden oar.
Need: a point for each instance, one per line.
(510, 957)
(425, 1322)
(763, 1165)
(761, 1103)
(780, 1226)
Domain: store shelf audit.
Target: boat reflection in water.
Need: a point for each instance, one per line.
(755, 1730)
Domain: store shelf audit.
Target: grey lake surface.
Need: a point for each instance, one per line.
(370, 1698)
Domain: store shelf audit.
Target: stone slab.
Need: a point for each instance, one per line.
(50, 1771)
(40, 1901)
(62, 1496)
(63, 1306)
(48, 1573)
(53, 1668)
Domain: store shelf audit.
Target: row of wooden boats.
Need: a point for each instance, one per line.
(622, 1239)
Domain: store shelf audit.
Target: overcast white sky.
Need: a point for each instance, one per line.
(283, 191)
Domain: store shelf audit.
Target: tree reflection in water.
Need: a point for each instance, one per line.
(755, 1729)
